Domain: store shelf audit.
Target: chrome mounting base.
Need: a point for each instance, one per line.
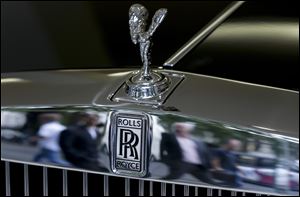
(145, 87)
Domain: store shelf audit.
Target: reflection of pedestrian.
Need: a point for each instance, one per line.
(225, 161)
(281, 176)
(185, 154)
(48, 135)
(79, 142)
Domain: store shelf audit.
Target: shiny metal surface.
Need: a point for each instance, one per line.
(138, 16)
(196, 191)
(216, 98)
(145, 84)
(141, 89)
(203, 33)
(141, 187)
(7, 179)
(173, 190)
(154, 94)
(127, 187)
(150, 188)
(163, 189)
(45, 181)
(209, 192)
(85, 185)
(65, 182)
(18, 187)
(26, 180)
(106, 185)
(135, 137)
(195, 139)
(186, 191)
(167, 162)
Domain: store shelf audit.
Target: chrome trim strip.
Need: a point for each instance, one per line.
(45, 181)
(203, 33)
(158, 168)
(106, 185)
(100, 85)
(85, 184)
(26, 180)
(7, 179)
(65, 182)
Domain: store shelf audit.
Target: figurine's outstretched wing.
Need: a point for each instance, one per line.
(138, 15)
(157, 19)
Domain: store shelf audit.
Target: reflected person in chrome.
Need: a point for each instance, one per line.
(224, 163)
(47, 137)
(79, 142)
(184, 153)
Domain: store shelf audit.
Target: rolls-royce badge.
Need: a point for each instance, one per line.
(130, 143)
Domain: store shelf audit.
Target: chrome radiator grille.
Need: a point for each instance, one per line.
(29, 180)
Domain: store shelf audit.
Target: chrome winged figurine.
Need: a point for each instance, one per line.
(138, 16)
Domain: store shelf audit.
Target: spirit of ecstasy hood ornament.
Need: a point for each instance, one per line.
(146, 83)
(138, 16)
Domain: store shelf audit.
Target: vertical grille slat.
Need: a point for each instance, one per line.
(196, 191)
(163, 189)
(85, 184)
(219, 192)
(186, 191)
(141, 187)
(209, 192)
(106, 186)
(26, 180)
(150, 188)
(173, 190)
(65, 183)
(127, 187)
(45, 181)
(7, 179)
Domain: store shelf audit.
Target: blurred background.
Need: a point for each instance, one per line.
(259, 43)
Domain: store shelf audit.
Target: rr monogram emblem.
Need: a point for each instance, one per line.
(129, 143)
